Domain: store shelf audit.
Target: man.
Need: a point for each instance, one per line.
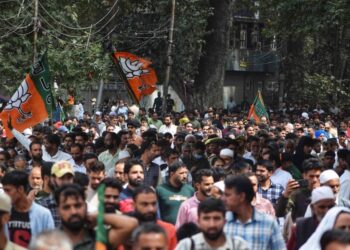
(253, 149)
(52, 239)
(296, 198)
(158, 102)
(52, 152)
(149, 236)
(328, 160)
(203, 182)
(96, 174)
(145, 202)
(36, 153)
(72, 210)
(168, 126)
(154, 120)
(175, 191)
(35, 180)
(124, 139)
(110, 156)
(227, 155)
(133, 172)
(119, 172)
(81, 138)
(335, 239)
(98, 120)
(170, 155)
(27, 218)
(5, 211)
(61, 173)
(89, 159)
(211, 221)
(322, 199)
(133, 137)
(245, 221)
(76, 151)
(267, 189)
(188, 128)
(150, 151)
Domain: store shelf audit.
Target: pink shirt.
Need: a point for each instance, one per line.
(263, 205)
(188, 211)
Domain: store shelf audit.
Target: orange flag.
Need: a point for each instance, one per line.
(141, 78)
(33, 102)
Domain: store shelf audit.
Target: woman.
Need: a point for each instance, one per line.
(336, 218)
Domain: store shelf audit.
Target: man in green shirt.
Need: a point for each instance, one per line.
(175, 191)
(154, 121)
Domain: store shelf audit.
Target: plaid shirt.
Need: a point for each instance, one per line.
(273, 193)
(50, 203)
(261, 232)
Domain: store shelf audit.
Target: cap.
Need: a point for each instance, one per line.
(133, 123)
(93, 99)
(322, 193)
(112, 114)
(63, 129)
(220, 185)
(98, 113)
(5, 203)
(226, 152)
(328, 175)
(62, 168)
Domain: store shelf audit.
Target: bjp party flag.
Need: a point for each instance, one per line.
(33, 102)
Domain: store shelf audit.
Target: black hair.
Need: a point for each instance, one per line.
(81, 179)
(250, 139)
(211, 205)
(218, 174)
(53, 139)
(330, 153)
(187, 230)
(69, 190)
(266, 164)
(240, 165)
(143, 190)
(175, 166)
(147, 228)
(241, 184)
(130, 163)
(6, 154)
(170, 151)
(89, 156)
(335, 235)
(114, 137)
(16, 178)
(76, 145)
(46, 169)
(97, 167)
(34, 143)
(286, 157)
(311, 164)
(82, 134)
(147, 144)
(112, 183)
(197, 178)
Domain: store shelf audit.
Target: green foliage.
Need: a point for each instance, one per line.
(80, 35)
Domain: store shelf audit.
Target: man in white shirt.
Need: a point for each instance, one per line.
(168, 126)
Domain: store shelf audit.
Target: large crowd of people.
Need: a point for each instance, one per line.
(185, 180)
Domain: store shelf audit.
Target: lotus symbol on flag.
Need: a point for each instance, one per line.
(18, 99)
(132, 69)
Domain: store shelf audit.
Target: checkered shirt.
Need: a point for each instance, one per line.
(50, 203)
(261, 232)
(273, 193)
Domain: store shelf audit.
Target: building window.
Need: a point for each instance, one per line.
(243, 37)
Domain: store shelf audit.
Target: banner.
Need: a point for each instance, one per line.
(140, 78)
(257, 109)
(33, 102)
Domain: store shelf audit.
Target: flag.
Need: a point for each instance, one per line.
(101, 232)
(33, 102)
(257, 109)
(140, 78)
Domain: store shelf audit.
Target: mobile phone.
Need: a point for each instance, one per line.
(303, 183)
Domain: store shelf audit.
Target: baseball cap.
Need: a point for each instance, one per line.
(5, 203)
(61, 168)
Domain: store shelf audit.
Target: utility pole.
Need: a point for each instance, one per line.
(169, 56)
(35, 29)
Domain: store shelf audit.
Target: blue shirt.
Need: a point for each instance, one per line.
(273, 193)
(261, 231)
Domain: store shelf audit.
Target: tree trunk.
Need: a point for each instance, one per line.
(208, 84)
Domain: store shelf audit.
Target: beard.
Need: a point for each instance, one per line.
(149, 217)
(213, 235)
(75, 225)
(110, 208)
(135, 182)
(37, 157)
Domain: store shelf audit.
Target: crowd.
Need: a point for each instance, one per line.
(187, 180)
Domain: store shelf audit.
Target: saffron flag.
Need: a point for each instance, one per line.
(33, 102)
(257, 109)
(137, 73)
(101, 232)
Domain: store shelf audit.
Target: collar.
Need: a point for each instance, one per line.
(232, 217)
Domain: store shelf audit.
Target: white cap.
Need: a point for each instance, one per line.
(226, 152)
(328, 175)
(305, 115)
(220, 185)
(123, 154)
(321, 193)
(98, 113)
